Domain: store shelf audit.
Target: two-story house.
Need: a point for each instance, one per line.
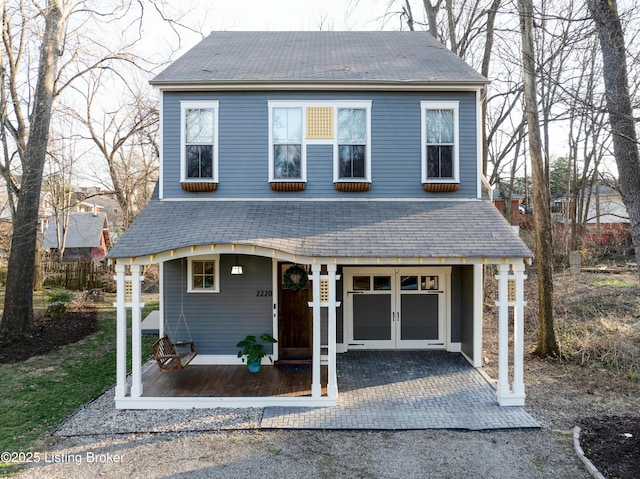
(326, 188)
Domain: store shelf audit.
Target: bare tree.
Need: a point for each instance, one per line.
(547, 344)
(59, 195)
(621, 119)
(18, 308)
(126, 137)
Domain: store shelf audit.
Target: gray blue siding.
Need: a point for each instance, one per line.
(217, 321)
(243, 148)
(465, 280)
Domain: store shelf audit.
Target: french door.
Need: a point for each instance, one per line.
(396, 308)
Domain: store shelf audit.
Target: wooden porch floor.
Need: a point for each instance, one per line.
(229, 381)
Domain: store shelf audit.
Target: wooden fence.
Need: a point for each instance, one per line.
(78, 276)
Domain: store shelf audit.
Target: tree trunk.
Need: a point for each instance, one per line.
(18, 306)
(547, 344)
(432, 11)
(625, 143)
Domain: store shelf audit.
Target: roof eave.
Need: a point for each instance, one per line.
(457, 85)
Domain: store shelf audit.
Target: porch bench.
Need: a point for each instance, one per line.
(168, 359)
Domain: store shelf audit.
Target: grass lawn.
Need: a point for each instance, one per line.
(39, 393)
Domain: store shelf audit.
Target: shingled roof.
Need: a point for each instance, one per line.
(84, 230)
(326, 57)
(449, 229)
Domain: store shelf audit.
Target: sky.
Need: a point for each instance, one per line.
(275, 15)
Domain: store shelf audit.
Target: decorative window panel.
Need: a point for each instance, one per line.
(511, 290)
(324, 290)
(320, 123)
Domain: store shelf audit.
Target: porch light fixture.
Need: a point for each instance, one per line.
(236, 268)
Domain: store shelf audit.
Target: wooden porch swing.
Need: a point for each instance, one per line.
(164, 351)
(168, 359)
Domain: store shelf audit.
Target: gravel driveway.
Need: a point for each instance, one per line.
(98, 441)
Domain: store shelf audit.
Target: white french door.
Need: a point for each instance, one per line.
(396, 308)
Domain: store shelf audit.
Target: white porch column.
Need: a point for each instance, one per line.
(332, 382)
(478, 307)
(136, 332)
(316, 387)
(503, 332)
(511, 395)
(518, 334)
(121, 334)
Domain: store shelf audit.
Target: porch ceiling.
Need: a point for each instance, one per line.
(450, 229)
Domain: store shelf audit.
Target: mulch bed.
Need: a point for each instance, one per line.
(51, 333)
(612, 444)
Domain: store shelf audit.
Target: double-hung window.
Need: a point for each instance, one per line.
(440, 142)
(287, 156)
(199, 145)
(352, 144)
(343, 126)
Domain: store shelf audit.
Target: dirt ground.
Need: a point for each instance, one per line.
(49, 334)
(578, 389)
(595, 385)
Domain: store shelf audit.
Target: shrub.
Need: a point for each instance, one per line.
(3, 276)
(59, 296)
(58, 301)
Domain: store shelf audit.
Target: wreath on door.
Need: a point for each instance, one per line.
(295, 278)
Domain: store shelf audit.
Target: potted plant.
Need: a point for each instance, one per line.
(252, 350)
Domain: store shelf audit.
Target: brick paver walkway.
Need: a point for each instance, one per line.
(405, 390)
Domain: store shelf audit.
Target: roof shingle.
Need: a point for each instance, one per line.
(326, 57)
(373, 229)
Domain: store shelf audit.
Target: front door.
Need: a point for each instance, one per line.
(396, 308)
(295, 318)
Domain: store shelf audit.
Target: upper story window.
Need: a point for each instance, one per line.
(294, 125)
(352, 144)
(440, 143)
(287, 144)
(199, 148)
(203, 274)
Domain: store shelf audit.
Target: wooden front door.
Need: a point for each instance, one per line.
(295, 319)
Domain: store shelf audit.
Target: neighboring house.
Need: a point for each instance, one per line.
(607, 217)
(353, 158)
(516, 208)
(87, 237)
(93, 199)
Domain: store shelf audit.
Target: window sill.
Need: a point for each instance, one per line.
(198, 186)
(287, 185)
(441, 187)
(352, 186)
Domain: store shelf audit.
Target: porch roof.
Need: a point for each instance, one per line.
(450, 229)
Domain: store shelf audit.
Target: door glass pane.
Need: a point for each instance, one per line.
(372, 317)
(361, 283)
(409, 282)
(429, 282)
(419, 317)
(382, 283)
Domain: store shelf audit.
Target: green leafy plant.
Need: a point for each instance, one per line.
(57, 301)
(253, 350)
(59, 296)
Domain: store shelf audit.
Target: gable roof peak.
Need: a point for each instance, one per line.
(268, 57)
